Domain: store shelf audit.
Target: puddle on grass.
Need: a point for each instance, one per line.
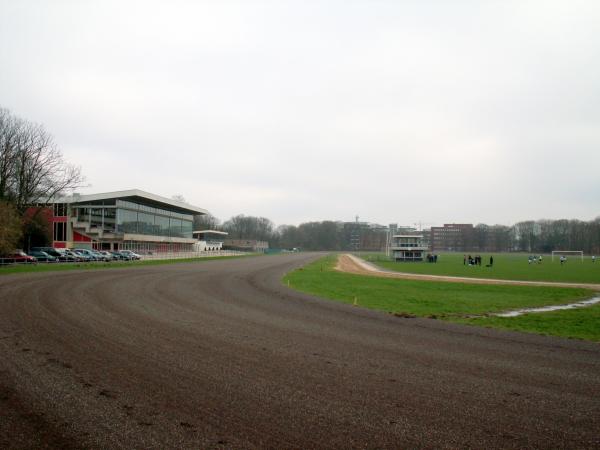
(581, 304)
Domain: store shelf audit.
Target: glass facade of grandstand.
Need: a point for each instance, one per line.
(120, 216)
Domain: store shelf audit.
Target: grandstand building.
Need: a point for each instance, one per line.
(132, 219)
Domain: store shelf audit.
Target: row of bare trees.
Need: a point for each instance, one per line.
(537, 236)
(32, 170)
(540, 236)
(241, 226)
(543, 236)
(324, 235)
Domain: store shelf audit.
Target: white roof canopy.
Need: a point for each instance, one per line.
(223, 233)
(78, 198)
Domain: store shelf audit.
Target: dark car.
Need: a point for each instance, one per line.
(43, 256)
(130, 255)
(101, 256)
(118, 256)
(123, 255)
(53, 252)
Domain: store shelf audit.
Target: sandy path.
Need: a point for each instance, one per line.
(222, 355)
(353, 264)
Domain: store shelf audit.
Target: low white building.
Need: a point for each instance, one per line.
(407, 247)
(209, 240)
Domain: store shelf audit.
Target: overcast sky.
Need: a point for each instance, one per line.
(398, 111)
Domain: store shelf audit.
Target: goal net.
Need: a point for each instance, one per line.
(566, 253)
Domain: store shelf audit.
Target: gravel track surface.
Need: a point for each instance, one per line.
(221, 355)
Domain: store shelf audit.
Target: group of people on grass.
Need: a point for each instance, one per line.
(432, 258)
(563, 259)
(476, 260)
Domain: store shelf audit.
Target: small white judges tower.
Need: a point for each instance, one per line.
(407, 247)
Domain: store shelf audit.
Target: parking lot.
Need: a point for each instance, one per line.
(88, 256)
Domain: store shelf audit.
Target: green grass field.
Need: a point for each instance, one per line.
(507, 266)
(581, 323)
(451, 301)
(32, 268)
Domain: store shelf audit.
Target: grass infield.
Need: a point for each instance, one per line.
(455, 302)
(507, 266)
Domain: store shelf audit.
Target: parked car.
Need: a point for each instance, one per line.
(131, 255)
(18, 257)
(75, 256)
(109, 255)
(43, 257)
(118, 256)
(67, 255)
(125, 255)
(86, 253)
(100, 256)
(53, 252)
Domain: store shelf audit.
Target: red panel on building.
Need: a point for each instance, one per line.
(78, 237)
(60, 244)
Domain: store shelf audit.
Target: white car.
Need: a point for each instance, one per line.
(130, 255)
(107, 255)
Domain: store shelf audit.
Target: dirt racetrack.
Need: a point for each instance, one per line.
(221, 355)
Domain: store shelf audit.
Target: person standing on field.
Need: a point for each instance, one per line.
(491, 261)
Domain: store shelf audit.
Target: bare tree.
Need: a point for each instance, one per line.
(10, 228)
(9, 128)
(32, 168)
(249, 227)
(206, 222)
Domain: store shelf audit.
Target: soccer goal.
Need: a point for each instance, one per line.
(560, 253)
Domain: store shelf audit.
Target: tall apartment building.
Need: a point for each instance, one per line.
(455, 237)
